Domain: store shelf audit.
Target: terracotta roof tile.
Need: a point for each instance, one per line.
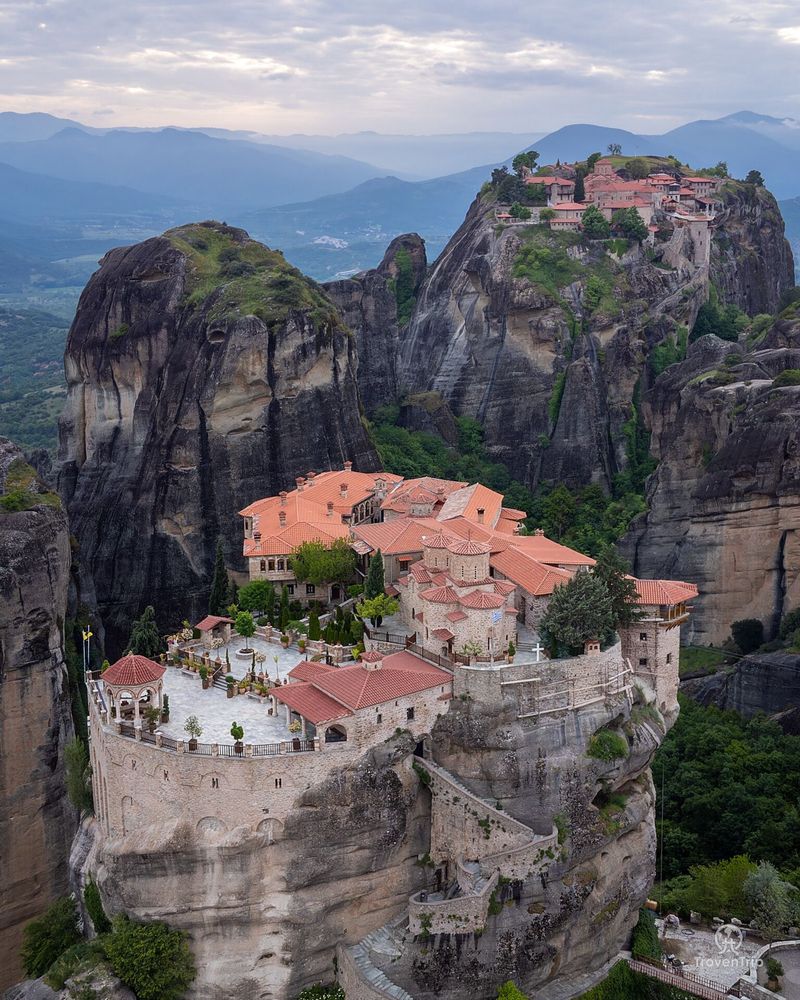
(133, 671)
(316, 706)
(210, 621)
(440, 595)
(480, 599)
(306, 670)
(668, 592)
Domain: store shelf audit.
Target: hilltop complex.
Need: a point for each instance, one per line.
(419, 715)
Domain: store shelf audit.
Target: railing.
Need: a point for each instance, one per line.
(203, 749)
(226, 750)
(426, 654)
(266, 749)
(300, 746)
(689, 982)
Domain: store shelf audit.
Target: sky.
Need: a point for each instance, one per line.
(283, 66)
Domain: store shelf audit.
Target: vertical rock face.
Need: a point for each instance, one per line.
(724, 503)
(202, 372)
(36, 820)
(369, 304)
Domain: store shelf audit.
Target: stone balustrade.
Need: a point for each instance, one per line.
(432, 913)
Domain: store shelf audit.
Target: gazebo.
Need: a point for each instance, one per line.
(131, 677)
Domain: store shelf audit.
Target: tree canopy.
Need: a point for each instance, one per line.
(594, 223)
(637, 168)
(612, 569)
(754, 177)
(151, 959)
(377, 608)
(47, 937)
(579, 610)
(630, 224)
(245, 625)
(316, 563)
(522, 160)
(258, 595)
(376, 582)
(144, 638)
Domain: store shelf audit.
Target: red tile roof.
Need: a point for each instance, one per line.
(400, 674)
(210, 621)
(316, 706)
(668, 592)
(456, 616)
(133, 671)
(306, 670)
(468, 547)
(371, 656)
(443, 633)
(480, 599)
(440, 595)
(528, 573)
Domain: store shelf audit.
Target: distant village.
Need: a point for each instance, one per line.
(685, 200)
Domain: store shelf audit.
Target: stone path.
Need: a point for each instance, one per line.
(574, 986)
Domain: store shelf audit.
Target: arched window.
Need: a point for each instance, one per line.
(263, 565)
(336, 734)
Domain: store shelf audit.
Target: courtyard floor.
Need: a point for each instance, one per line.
(277, 665)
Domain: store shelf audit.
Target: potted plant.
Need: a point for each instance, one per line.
(152, 716)
(237, 732)
(230, 680)
(512, 649)
(294, 726)
(301, 644)
(165, 708)
(284, 640)
(194, 729)
(204, 676)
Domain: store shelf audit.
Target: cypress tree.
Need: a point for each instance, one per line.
(145, 639)
(580, 191)
(218, 599)
(375, 576)
(284, 615)
(314, 630)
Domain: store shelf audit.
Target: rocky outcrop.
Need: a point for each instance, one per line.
(203, 372)
(36, 820)
(751, 261)
(368, 303)
(542, 340)
(763, 682)
(724, 503)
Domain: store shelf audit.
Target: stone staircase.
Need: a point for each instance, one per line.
(383, 941)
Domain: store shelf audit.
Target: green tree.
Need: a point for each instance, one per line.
(748, 634)
(376, 582)
(637, 168)
(591, 159)
(578, 611)
(632, 226)
(94, 907)
(377, 608)
(145, 639)
(521, 160)
(754, 177)
(546, 214)
(518, 211)
(285, 615)
(612, 569)
(245, 625)
(78, 779)
(47, 937)
(594, 224)
(509, 991)
(220, 584)
(559, 511)
(580, 190)
(614, 149)
(314, 631)
(237, 731)
(151, 959)
(313, 562)
(770, 900)
(258, 595)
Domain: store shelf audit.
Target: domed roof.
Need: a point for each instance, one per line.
(480, 599)
(133, 671)
(437, 541)
(467, 547)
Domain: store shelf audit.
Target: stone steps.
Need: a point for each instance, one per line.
(382, 941)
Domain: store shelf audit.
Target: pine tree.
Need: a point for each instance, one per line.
(375, 575)
(145, 639)
(218, 598)
(612, 569)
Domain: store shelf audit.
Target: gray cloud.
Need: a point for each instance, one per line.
(418, 66)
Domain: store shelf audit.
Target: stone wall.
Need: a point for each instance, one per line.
(459, 915)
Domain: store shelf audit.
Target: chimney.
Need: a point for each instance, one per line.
(283, 498)
(343, 490)
(300, 480)
(282, 518)
(330, 508)
(257, 536)
(539, 532)
(372, 660)
(481, 512)
(347, 466)
(310, 476)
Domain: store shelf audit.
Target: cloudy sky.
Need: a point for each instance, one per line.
(409, 66)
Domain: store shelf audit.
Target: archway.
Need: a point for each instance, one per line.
(336, 734)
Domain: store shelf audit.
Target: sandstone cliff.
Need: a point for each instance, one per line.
(763, 682)
(36, 821)
(203, 372)
(724, 502)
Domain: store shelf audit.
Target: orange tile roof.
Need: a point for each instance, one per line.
(306, 670)
(133, 671)
(545, 550)
(316, 706)
(400, 674)
(528, 573)
(443, 633)
(456, 616)
(468, 501)
(210, 621)
(480, 599)
(468, 547)
(667, 592)
(440, 595)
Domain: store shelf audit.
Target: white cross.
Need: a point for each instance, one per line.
(538, 649)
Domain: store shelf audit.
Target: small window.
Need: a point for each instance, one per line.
(290, 588)
(215, 782)
(272, 565)
(410, 713)
(378, 718)
(263, 566)
(669, 657)
(310, 589)
(280, 564)
(642, 662)
(643, 637)
(278, 782)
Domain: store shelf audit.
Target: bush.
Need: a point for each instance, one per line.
(748, 634)
(789, 376)
(79, 786)
(319, 992)
(607, 745)
(790, 623)
(774, 968)
(645, 943)
(49, 936)
(79, 956)
(151, 959)
(94, 907)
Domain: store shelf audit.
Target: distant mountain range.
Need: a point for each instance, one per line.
(74, 190)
